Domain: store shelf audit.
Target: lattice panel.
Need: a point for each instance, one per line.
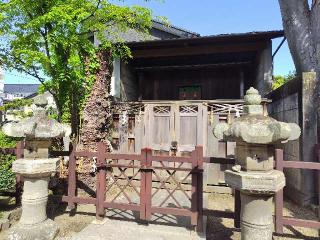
(121, 187)
(162, 109)
(172, 186)
(188, 109)
(224, 108)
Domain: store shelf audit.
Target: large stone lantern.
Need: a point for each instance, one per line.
(36, 168)
(255, 135)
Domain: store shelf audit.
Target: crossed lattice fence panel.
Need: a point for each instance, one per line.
(144, 183)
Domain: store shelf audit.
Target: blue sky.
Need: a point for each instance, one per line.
(209, 17)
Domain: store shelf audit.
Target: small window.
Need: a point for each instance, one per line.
(190, 93)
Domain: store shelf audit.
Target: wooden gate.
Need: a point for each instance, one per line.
(159, 183)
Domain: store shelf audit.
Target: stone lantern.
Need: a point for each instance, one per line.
(254, 176)
(36, 168)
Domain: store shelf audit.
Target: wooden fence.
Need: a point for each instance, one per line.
(280, 220)
(113, 167)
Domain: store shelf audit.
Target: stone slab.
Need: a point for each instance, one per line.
(129, 230)
(36, 167)
(256, 182)
(46, 230)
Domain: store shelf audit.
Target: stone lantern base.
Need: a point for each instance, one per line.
(256, 190)
(34, 224)
(46, 230)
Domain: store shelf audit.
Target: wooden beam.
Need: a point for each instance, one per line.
(213, 65)
(198, 50)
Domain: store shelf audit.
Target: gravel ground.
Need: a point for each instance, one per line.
(218, 227)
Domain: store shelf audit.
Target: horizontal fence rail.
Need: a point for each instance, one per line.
(148, 169)
(281, 220)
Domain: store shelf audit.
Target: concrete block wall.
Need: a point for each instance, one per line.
(287, 110)
(293, 102)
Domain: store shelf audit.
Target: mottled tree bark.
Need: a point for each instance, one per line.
(97, 116)
(298, 27)
(301, 24)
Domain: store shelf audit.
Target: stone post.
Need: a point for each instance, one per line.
(255, 135)
(36, 168)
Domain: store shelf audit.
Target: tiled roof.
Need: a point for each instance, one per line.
(21, 88)
(180, 32)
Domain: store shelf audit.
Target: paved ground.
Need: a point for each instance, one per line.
(218, 228)
(128, 230)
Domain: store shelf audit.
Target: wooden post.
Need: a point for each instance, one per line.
(199, 150)
(148, 181)
(279, 194)
(308, 124)
(101, 181)
(143, 162)
(237, 208)
(72, 177)
(241, 88)
(19, 180)
(194, 193)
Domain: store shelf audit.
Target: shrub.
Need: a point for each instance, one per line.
(7, 177)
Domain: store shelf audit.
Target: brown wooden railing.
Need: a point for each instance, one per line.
(280, 220)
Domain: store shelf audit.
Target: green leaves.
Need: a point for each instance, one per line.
(51, 41)
(7, 177)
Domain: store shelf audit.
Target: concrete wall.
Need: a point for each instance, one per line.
(287, 110)
(290, 104)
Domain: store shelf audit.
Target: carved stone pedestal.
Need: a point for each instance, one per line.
(257, 190)
(36, 168)
(34, 223)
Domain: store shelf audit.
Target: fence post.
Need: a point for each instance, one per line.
(199, 150)
(72, 177)
(194, 186)
(19, 180)
(143, 157)
(148, 185)
(279, 194)
(101, 181)
(237, 208)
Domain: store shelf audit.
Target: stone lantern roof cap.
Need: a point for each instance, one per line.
(39, 126)
(255, 127)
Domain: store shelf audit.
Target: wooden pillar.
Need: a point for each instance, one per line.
(156, 89)
(308, 140)
(241, 87)
(140, 82)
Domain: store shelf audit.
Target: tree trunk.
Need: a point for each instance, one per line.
(97, 117)
(297, 26)
(302, 29)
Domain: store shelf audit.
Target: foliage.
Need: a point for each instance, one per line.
(7, 142)
(279, 80)
(51, 40)
(16, 104)
(7, 177)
